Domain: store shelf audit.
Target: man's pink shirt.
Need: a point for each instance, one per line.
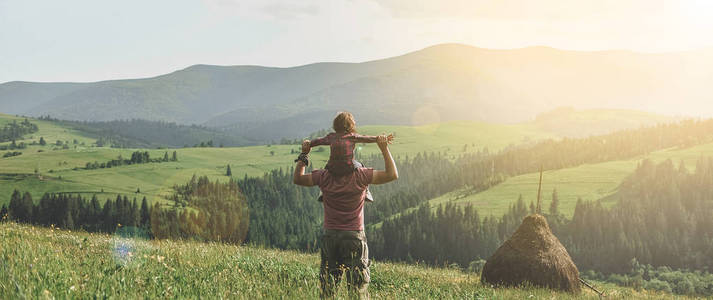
(343, 197)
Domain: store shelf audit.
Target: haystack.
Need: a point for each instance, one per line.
(534, 255)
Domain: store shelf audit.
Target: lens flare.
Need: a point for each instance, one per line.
(124, 250)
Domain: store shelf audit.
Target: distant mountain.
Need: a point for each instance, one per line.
(439, 83)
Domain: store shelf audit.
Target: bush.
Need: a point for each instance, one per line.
(476, 266)
(657, 285)
(11, 154)
(622, 280)
(684, 287)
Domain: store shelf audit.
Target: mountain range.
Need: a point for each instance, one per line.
(440, 83)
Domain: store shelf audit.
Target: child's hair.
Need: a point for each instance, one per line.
(344, 122)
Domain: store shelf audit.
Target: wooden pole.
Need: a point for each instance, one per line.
(539, 190)
(601, 294)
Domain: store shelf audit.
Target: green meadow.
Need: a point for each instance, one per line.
(51, 168)
(587, 181)
(47, 263)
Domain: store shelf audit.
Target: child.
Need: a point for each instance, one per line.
(341, 145)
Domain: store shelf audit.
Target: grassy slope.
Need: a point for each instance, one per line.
(55, 165)
(589, 181)
(47, 263)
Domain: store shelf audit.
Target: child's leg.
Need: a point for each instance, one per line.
(369, 197)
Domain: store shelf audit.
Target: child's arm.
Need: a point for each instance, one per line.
(358, 138)
(319, 142)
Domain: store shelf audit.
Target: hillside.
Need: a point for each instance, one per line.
(56, 166)
(588, 182)
(439, 83)
(95, 265)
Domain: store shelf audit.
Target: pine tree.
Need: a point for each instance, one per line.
(20, 209)
(135, 214)
(145, 213)
(532, 207)
(108, 216)
(554, 206)
(229, 172)
(94, 212)
(67, 221)
(3, 212)
(42, 141)
(165, 156)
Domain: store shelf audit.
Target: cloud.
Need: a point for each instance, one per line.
(524, 9)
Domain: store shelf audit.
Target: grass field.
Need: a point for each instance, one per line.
(55, 166)
(45, 263)
(588, 181)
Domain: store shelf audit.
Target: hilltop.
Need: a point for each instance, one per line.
(440, 83)
(48, 262)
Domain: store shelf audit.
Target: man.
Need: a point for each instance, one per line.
(344, 246)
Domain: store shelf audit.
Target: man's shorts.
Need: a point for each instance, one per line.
(344, 252)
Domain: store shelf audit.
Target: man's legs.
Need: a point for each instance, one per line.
(355, 254)
(330, 271)
(344, 251)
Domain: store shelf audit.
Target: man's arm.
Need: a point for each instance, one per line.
(299, 177)
(391, 173)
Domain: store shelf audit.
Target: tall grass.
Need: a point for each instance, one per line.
(51, 263)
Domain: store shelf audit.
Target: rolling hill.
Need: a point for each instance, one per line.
(439, 83)
(62, 170)
(588, 182)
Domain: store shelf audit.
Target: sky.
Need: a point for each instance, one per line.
(93, 40)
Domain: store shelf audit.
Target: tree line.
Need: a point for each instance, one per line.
(664, 217)
(137, 157)
(216, 212)
(14, 130)
(138, 133)
(75, 212)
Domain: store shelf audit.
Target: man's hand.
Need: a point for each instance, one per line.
(299, 177)
(383, 141)
(390, 137)
(306, 146)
